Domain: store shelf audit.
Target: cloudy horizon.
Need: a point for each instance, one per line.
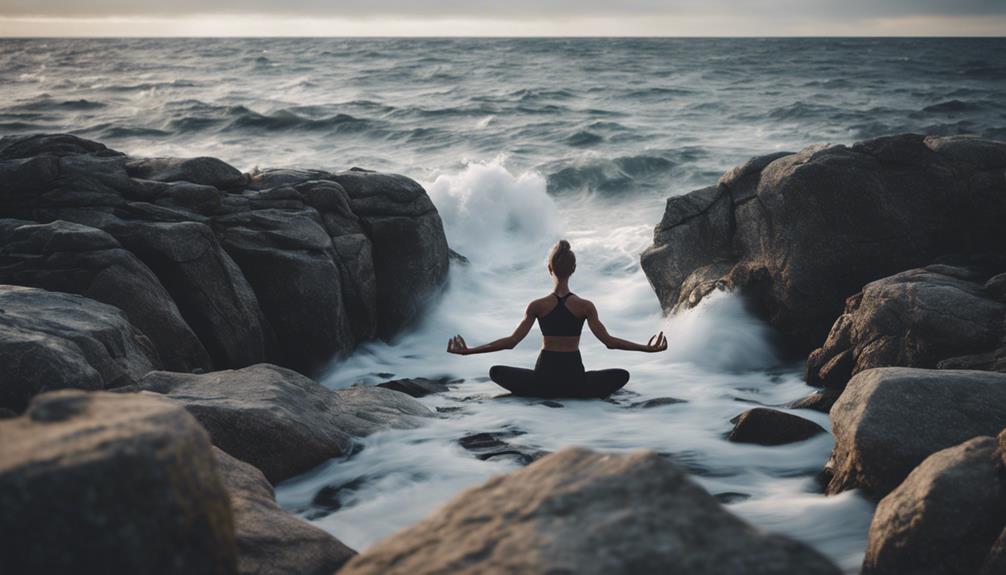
(514, 18)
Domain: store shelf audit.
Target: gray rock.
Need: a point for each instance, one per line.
(944, 518)
(799, 233)
(280, 421)
(888, 420)
(821, 401)
(288, 259)
(917, 318)
(111, 483)
(204, 171)
(409, 246)
(269, 540)
(51, 340)
(72, 258)
(417, 386)
(771, 427)
(577, 511)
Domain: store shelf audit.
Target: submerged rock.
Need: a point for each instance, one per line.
(944, 518)
(799, 233)
(111, 483)
(417, 386)
(771, 427)
(891, 419)
(269, 540)
(280, 421)
(51, 340)
(940, 315)
(577, 511)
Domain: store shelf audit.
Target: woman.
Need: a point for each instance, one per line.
(559, 371)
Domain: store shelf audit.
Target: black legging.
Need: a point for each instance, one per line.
(559, 374)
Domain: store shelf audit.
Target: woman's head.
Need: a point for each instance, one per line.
(561, 260)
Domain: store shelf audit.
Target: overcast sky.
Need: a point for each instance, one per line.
(502, 17)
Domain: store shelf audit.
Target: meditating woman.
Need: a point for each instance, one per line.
(559, 370)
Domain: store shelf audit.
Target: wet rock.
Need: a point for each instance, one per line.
(770, 427)
(799, 233)
(418, 386)
(728, 497)
(552, 404)
(269, 540)
(658, 402)
(492, 446)
(577, 511)
(280, 421)
(946, 515)
(72, 258)
(820, 401)
(889, 420)
(111, 483)
(410, 249)
(51, 340)
(918, 318)
(283, 265)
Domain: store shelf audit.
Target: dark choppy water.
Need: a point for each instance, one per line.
(521, 142)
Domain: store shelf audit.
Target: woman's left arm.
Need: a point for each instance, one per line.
(457, 343)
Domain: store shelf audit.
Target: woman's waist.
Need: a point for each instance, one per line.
(561, 343)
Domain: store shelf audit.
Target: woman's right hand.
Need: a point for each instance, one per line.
(457, 345)
(657, 343)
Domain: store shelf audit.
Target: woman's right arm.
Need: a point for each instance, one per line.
(656, 343)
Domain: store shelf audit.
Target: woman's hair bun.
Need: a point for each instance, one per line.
(562, 246)
(561, 259)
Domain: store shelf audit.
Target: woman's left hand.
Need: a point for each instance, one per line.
(457, 345)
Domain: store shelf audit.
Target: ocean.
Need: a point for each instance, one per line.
(521, 142)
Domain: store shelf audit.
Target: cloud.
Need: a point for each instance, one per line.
(519, 10)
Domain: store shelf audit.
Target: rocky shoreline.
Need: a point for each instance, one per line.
(161, 319)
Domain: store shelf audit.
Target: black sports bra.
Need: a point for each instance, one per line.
(561, 321)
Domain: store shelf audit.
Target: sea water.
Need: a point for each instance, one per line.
(520, 143)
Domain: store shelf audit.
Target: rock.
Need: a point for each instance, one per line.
(111, 483)
(821, 401)
(770, 427)
(51, 340)
(269, 540)
(799, 233)
(418, 386)
(916, 318)
(272, 246)
(888, 420)
(577, 511)
(72, 258)
(204, 171)
(281, 265)
(280, 421)
(658, 402)
(944, 518)
(995, 562)
(410, 248)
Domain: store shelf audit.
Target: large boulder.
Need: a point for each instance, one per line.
(111, 483)
(940, 315)
(51, 340)
(269, 540)
(799, 233)
(220, 268)
(944, 518)
(577, 511)
(73, 258)
(890, 419)
(280, 421)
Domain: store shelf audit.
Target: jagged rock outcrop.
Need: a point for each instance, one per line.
(280, 421)
(577, 511)
(51, 340)
(111, 483)
(218, 268)
(889, 419)
(944, 315)
(269, 540)
(944, 518)
(799, 233)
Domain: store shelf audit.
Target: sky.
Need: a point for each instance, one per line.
(503, 18)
